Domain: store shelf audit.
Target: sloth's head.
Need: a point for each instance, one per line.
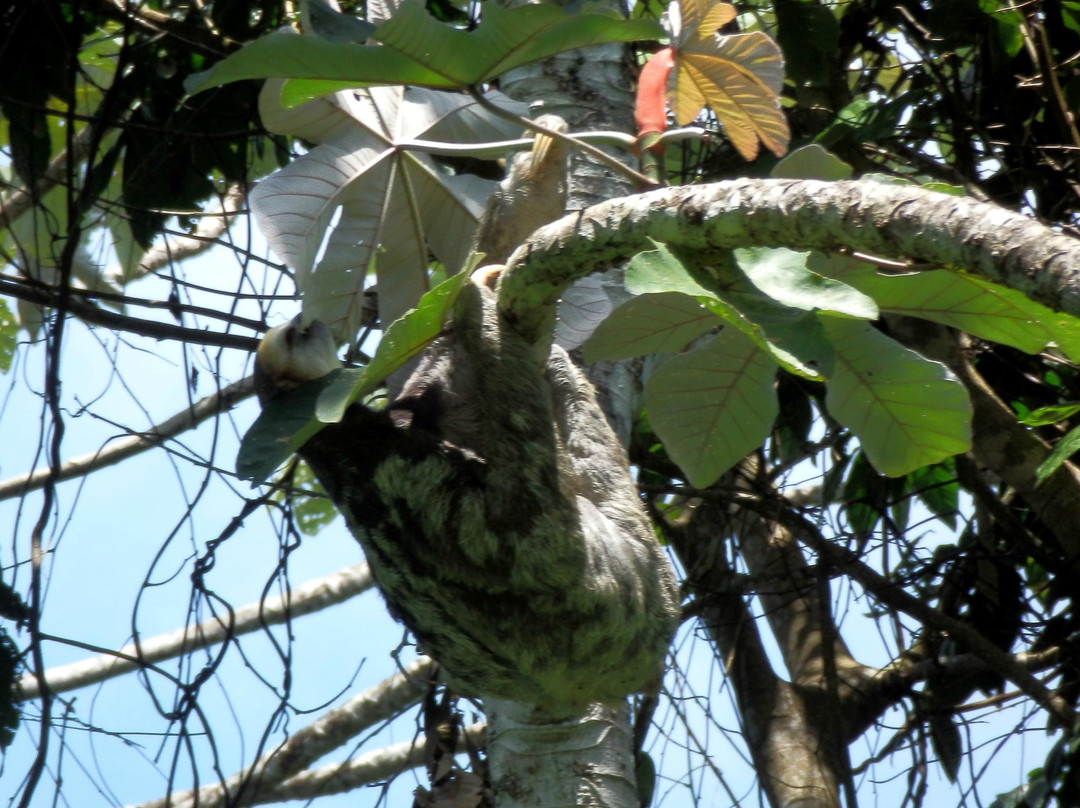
(291, 354)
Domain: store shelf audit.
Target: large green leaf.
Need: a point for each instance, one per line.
(783, 275)
(664, 322)
(713, 405)
(971, 304)
(404, 339)
(288, 422)
(505, 38)
(792, 336)
(284, 425)
(906, 410)
(660, 270)
(417, 49)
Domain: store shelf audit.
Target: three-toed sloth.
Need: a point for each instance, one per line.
(496, 509)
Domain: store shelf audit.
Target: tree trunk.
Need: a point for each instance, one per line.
(537, 762)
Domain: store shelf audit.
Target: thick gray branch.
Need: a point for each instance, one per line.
(892, 221)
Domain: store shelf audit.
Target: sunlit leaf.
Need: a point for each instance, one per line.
(974, 305)
(782, 275)
(906, 410)
(791, 335)
(713, 405)
(1063, 450)
(1046, 416)
(650, 324)
(812, 163)
(739, 78)
(419, 50)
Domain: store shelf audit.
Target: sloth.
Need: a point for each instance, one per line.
(496, 509)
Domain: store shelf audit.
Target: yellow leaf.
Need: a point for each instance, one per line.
(702, 18)
(739, 78)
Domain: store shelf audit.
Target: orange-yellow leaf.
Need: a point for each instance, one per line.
(702, 18)
(739, 78)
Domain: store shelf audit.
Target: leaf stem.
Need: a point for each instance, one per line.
(640, 181)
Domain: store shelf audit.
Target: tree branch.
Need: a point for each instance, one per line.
(382, 764)
(785, 737)
(257, 784)
(123, 448)
(891, 221)
(310, 597)
(87, 312)
(895, 597)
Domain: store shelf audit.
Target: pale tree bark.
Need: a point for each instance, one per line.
(277, 775)
(310, 597)
(539, 762)
(587, 760)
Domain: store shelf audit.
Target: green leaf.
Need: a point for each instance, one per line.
(8, 331)
(663, 322)
(405, 338)
(906, 410)
(284, 425)
(866, 495)
(938, 489)
(782, 275)
(312, 513)
(713, 405)
(812, 162)
(290, 421)
(418, 49)
(791, 432)
(505, 38)
(1063, 450)
(981, 308)
(947, 743)
(644, 777)
(1047, 416)
(791, 335)
(289, 56)
(660, 270)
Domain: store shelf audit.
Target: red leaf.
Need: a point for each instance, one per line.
(650, 109)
